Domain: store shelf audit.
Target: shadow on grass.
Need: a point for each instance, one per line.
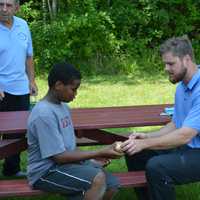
(124, 79)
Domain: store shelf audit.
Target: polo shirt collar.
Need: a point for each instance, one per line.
(15, 24)
(195, 79)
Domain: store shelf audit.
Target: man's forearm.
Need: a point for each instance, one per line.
(30, 69)
(175, 138)
(163, 131)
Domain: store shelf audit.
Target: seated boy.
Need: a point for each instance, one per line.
(54, 162)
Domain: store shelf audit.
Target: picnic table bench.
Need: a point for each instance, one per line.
(90, 125)
(20, 187)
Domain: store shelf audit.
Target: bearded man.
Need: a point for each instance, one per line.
(170, 156)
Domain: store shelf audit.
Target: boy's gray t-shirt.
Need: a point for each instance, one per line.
(50, 131)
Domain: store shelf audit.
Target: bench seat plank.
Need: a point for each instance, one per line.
(20, 187)
(131, 179)
(17, 188)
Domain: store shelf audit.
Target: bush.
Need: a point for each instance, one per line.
(105, 36)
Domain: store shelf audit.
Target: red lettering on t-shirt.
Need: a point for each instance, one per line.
(65, 122)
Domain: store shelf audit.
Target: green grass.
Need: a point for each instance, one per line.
(120, 91)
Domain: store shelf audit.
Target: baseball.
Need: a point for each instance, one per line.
(118, 147)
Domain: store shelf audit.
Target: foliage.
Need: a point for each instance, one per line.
(110, 36)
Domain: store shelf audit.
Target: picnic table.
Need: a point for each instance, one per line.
(88, 123)
(92, 126)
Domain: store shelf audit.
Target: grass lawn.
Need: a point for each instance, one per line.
(120, 91)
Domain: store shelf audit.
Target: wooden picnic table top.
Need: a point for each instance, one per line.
(119, 117)
(95, 118)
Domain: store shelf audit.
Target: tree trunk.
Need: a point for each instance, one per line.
(54, 7)
(50, 10)
(44, 9)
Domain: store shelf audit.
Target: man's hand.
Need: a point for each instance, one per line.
(2, 95)
(138, 136)
(33, 89)
(133, 146)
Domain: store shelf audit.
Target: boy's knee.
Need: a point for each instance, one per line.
(99, 180)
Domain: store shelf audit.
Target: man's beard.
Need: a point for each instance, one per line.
(178, 77)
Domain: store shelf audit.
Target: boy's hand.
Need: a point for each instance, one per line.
(110, 152)
(103, 162)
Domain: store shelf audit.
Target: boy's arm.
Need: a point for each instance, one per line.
(78, 155)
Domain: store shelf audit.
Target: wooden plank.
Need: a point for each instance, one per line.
(17, 188)
(12, 146)
(13, 122)
(102, 136)
(94, 118)
(118, 117)
(132, 179)
(20, 187)
(86, 142)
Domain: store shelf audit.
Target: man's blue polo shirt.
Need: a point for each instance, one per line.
(187, 107)
(15, 47)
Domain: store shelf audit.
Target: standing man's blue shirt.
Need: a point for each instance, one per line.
(15, 47)
(187, 107)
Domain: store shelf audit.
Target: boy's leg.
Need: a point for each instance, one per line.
(98, 188)
(112, 182)
(75, 180)
(110, 193)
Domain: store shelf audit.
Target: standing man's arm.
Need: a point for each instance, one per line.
(31, 75)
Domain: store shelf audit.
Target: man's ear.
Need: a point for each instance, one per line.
(17, 7)
(187, 59)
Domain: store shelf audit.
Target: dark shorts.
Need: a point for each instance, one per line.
(73, 179)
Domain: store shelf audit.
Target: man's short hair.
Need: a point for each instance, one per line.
(178, 46)
(64, 72)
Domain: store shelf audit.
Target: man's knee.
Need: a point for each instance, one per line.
(154, 166)
(156, 171)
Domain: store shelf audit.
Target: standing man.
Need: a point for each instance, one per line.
(17, 80)
(171, 155)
